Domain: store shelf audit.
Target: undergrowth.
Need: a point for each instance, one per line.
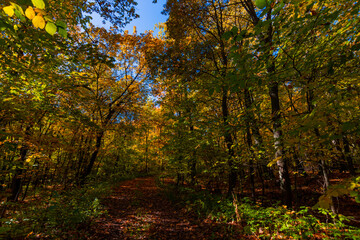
(276, 222)
(57, 214)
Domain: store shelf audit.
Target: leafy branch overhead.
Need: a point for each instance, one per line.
(38, 16)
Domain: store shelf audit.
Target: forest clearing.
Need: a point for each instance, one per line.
(235, 119)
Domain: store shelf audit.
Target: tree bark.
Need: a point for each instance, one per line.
(229, 143)
(348, 156)
(249, 119)
(323, 165)
(93, 157)
(192, 161)
(273, 86)
(285, 184)
(17, 178)
(16, 182)
(146, 151)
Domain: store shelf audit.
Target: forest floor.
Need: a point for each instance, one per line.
(138, 210)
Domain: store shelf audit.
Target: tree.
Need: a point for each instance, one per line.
(32, 74)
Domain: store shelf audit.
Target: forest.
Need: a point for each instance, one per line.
(238, 119)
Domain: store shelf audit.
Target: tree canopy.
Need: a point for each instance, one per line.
(243, 98)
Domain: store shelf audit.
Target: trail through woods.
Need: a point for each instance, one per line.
(137, 210)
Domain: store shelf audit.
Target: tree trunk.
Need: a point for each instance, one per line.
(251, 164)
(348, 156)
(229, 143)
(17, 178)
(299, 163)
(146, 151)
(285, 184)
(327, 182)
(192, 161)
(93, 157)
(323, 165)
(81, 156)
(249, 119)
(16, 182)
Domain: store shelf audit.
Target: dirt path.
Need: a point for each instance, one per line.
(136, 210)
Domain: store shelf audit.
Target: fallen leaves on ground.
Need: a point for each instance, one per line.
(137, 210)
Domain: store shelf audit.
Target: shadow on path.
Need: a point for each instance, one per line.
(136, 210)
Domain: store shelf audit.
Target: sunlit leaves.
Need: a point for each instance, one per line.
(30, 13)
(38, 16)
(17, 8)
(38, 3)
(41, 12)
(50, 28)
(9, 10)
(14, 9)
(35, 84)
(38, 22)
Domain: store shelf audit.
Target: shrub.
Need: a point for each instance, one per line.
(57, 216)
(266, 223)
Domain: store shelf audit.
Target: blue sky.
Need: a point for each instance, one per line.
(150, 14)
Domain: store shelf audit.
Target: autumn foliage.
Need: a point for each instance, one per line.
(239, 108)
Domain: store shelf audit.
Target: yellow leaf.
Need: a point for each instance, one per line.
(30, 13)
(274, 161)
(354, 185)
(38, 22)
(50, 28)
(9, 10)
(38, 3)
(39, 11)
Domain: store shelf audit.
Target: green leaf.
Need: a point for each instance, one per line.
(354, 193)
(38, 3)
(61, 24)
(227, 35)
(3, 26)
(50, 28)
(346, 126)
(331, 70)
(62, 32)
(234, 30)
(242, 83)
(260, 3)
(48, 18)
(17, 7)
(211, 91)
(278, 8)
(19, 15)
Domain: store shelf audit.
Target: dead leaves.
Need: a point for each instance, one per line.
(138, 211)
